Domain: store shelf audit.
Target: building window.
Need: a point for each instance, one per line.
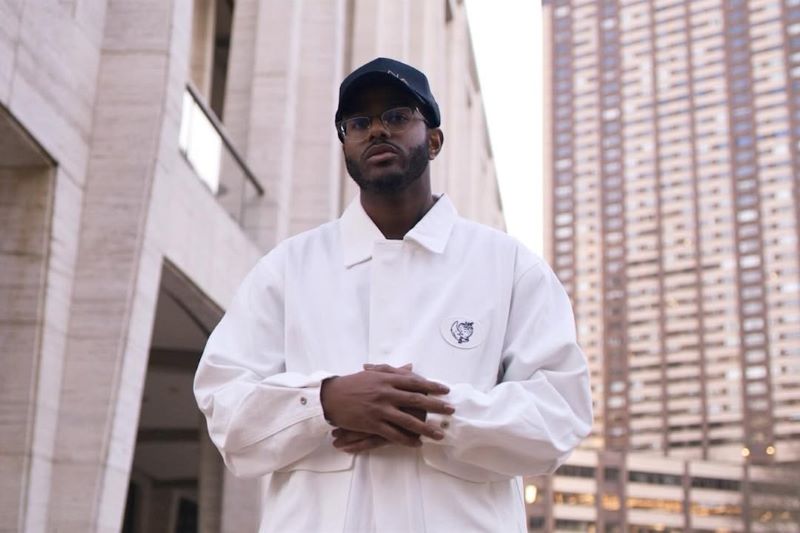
(654, 478)
(212, 21)
(652, 504)
(574, 498)
(575, 471)
(536, 523)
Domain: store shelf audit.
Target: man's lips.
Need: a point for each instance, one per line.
(380, 152)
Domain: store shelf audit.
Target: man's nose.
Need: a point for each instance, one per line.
(377, 128)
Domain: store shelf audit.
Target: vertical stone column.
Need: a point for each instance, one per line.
(427, 36)
(48, 67)
(285, 65)
(117, 275)
(366, 17)
(317, 154)
(455, 115)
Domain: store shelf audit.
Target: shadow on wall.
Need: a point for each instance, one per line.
(26, 212)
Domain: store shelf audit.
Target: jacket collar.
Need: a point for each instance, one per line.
(359, 233)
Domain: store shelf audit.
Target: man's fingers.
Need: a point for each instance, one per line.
(346, 437)
(370, 443)
(412, 424)
(386, 401)
(339, 432)
(342, 443)
(429, 404)
(397, 435)
(405, 369)
(414, 383)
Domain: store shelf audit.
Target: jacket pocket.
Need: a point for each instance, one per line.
(326, 458)
(437, 458)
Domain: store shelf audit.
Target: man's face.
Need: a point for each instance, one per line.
(383, 161)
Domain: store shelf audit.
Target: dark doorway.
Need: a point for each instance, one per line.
(176, 475)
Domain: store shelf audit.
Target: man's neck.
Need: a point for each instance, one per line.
(396, 213)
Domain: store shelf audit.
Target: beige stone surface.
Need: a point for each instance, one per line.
(53, 83)
(25, 209)
(190, 229)
(99, 85)
(10, 15)
(106, 291)
(12, 469)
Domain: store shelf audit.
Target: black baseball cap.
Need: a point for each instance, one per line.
(385, 70)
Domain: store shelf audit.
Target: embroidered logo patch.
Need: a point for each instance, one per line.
(463, 332)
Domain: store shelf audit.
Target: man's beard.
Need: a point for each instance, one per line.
(395, 181)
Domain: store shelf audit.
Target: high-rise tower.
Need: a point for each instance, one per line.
(673, 177)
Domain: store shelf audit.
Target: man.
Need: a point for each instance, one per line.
(399, 368)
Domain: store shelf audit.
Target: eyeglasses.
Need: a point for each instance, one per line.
(395, 120)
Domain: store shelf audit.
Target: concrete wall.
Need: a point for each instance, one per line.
(104, 198)
(49, 60)
(286, 60)
(25, 215)
(101, 91)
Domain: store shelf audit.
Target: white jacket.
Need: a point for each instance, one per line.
(467, 305)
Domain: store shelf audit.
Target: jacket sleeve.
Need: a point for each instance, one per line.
(541, 407)
(260, 417)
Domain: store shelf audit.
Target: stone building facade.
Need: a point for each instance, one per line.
(150, 152)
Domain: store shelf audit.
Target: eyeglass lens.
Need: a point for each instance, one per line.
(395, 120)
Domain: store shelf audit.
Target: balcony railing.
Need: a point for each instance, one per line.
(217, 163)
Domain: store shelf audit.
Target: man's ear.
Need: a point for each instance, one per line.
(435, 142)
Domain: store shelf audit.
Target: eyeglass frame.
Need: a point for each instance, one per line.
(414, 111)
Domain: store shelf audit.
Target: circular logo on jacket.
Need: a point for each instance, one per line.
(463, 332)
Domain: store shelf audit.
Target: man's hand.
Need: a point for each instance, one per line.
(384, 402)
(355, 441)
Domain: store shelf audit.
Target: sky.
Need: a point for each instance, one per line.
(506, 37)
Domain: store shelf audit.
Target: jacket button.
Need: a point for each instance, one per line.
(303, 401)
